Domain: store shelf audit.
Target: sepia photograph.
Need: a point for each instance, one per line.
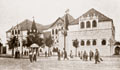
(59, 34)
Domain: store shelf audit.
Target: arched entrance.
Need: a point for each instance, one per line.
(117, 50)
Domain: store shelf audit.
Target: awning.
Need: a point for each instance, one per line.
(34, 46)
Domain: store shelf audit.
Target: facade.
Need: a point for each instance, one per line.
(93, 30)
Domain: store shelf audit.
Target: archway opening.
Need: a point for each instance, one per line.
(117, 50)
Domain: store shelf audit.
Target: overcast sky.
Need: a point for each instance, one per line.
(47, 11)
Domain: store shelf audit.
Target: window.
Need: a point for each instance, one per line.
(56, 31)
(88, 24)
(82, 43)
(103, 42)
(52, 31)
(94, 23)
(12, 32)
(88, 43)
(94, 42)
(82, 25)
(15, 31)
(18, 31)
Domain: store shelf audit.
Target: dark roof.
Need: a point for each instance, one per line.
(91, 12)
(27, 24)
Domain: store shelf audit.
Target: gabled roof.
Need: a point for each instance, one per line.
(92, 12)
(27, 24)
(70, 18)
(101, 17)
(46, 27)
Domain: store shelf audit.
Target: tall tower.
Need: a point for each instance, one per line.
(33, 29)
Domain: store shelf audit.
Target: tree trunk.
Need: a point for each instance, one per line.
(76, 52)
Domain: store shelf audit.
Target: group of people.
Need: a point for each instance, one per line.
(62, 55)
(32, 56)
(82, 55)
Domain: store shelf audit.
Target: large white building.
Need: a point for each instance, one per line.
(93, 30)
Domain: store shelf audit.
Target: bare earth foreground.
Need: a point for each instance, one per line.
(51, 63)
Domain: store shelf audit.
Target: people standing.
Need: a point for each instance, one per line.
(62, 54)
(34, 56)
(90, 55)
(65, 55)
(97, 56)
(45, 53)
(84, 56)
(79, 54)
(30, 56)
(71, 55)
(58, 54)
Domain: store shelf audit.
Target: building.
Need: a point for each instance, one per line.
(21, 31)
(93, 30)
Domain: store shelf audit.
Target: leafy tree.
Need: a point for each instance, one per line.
(49, 43)
(12, 43)
(34, 39)
(75, 44)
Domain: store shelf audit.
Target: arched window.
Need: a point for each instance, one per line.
(56, 31)
(94, 42)
(88, 24)
(82, 25)
(88, 42)
(15, 31)
(82, 43)
(52, 31)
(94, 23)
(103, 42)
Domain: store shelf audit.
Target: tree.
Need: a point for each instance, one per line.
(34, 39)
(49, 43)
(12, 43)
(75, 44)
(0, 46)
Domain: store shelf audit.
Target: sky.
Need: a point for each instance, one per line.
(12, 12)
